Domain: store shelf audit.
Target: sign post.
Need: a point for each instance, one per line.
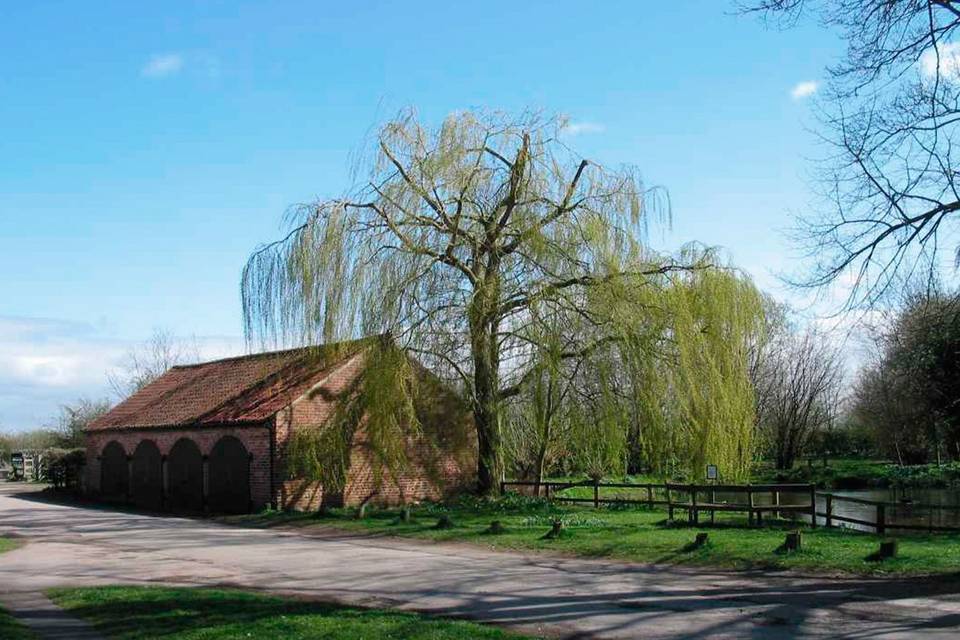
(712, 476)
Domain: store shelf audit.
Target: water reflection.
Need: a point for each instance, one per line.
(916, 507)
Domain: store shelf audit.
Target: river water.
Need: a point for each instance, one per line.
(917, 507)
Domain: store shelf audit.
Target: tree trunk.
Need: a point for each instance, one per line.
(542, 456)
(486, 409)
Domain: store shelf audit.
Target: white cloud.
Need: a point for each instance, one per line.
(578, 128)
(804, 89)
(162, 65)
(949, 62)
(45, 363)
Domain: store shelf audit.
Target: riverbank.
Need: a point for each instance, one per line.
(839, 474)
(639, 535)
(853, 474)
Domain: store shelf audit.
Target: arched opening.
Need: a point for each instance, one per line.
(114, 475)
(185, 476)
(229, 477)
(146, 482)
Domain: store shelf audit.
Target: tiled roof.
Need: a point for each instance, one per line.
(239, 390)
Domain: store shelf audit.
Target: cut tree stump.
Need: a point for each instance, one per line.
(888, 549)
(496, 528)
(701, 539)
(793, 541)
(555, 530)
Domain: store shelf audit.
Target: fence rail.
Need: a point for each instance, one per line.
(695, 499)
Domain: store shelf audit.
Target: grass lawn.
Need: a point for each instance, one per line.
(180, 613)
(10, 628)
(641, 535)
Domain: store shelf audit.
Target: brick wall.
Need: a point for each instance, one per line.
(432, 473)
(255, 438)
(310, 411)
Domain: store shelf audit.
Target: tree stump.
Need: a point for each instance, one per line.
(444, 522)
(793, 541)
(555, 530)
(701, 539)
(888, 549)
(496, 528)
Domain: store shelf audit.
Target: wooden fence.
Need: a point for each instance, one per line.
(882, 522)
(696, 499)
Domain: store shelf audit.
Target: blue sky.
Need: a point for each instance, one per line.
(147, 148)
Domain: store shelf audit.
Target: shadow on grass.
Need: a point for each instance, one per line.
(153, 612)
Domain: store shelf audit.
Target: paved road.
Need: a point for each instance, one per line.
(538, 594)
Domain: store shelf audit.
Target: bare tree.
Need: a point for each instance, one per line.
(146, 362)
(74, 418)
(798, 385)
(890, 117)
(458, 243)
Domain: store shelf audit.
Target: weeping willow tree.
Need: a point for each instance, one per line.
(458, 242)
(671, 394)
(695, 397)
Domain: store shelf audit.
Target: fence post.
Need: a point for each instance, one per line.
(503, 487)
(694, 514)
(650, 495)
(713, 510)
(669, 503)
(881, 518)
(749, 504)
(813, 506)
(596, 493)
(829, 520)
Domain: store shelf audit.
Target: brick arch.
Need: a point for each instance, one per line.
(114, 473)
(146, 477)
(185, 476)
(229, 476)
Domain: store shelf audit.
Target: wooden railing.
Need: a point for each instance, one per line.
(695, 499)
(882, 522)
(666, 494)
(754, 510)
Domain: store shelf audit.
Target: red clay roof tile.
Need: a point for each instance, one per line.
(244, 389)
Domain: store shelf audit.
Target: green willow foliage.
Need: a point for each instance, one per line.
(714, 317)
(674, 383)
(382, 402)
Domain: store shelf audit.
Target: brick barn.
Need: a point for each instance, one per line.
(212, 437)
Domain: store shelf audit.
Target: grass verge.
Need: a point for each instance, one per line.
(142, 613)
(641, 535)
(8, 544)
